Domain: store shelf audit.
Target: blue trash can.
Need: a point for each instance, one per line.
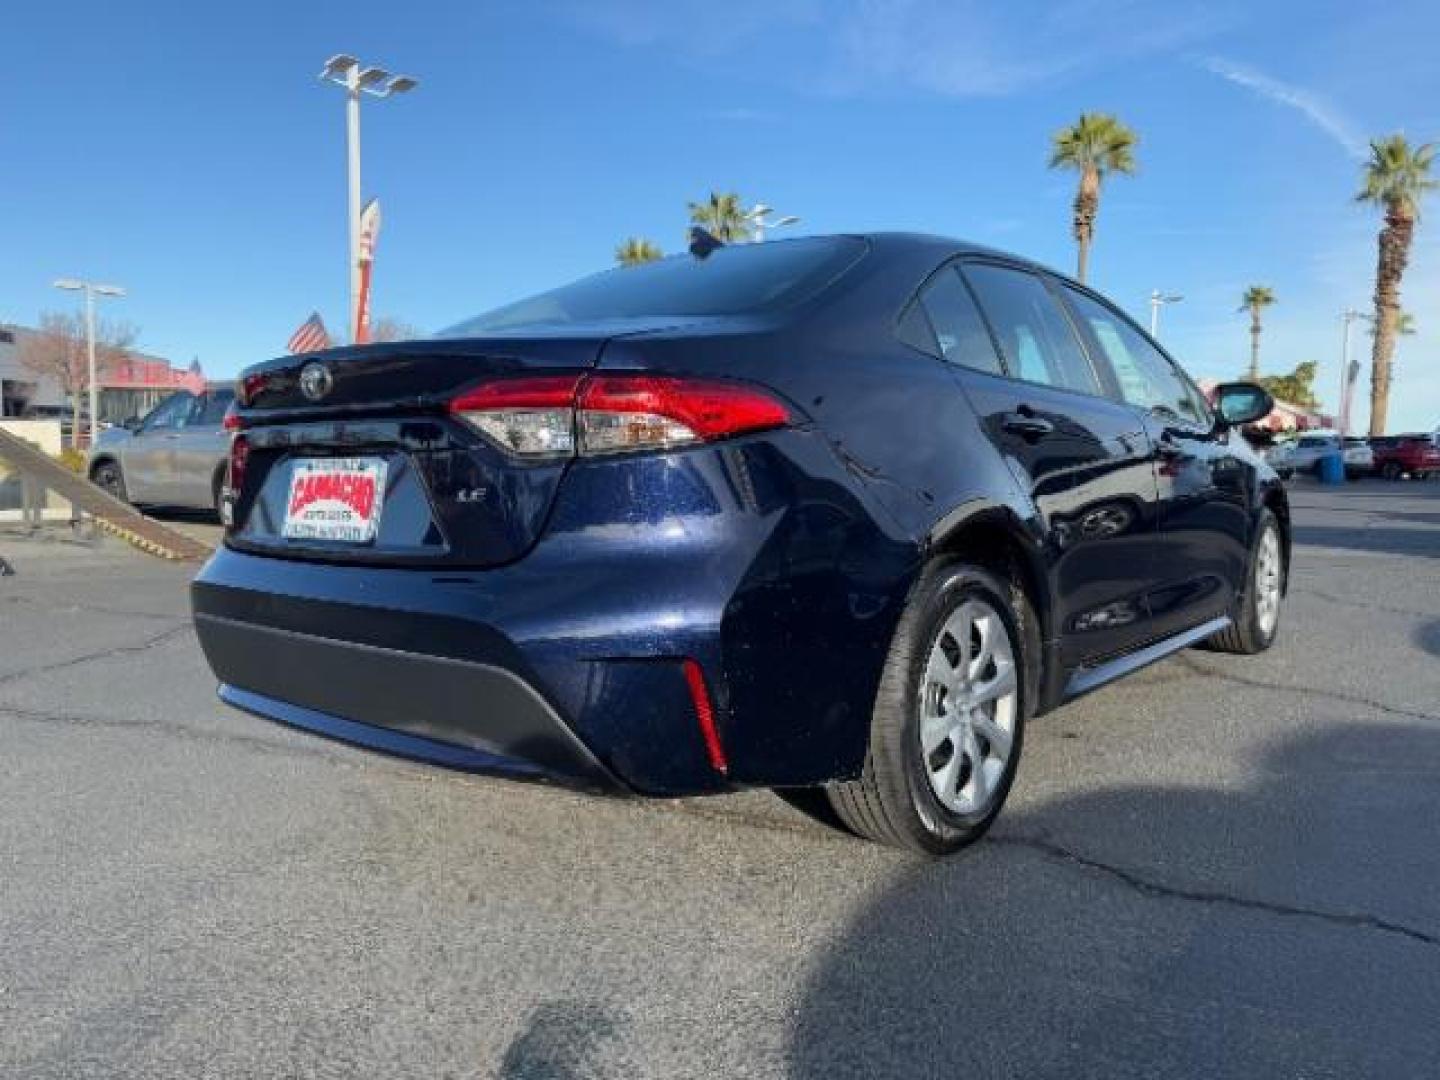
(1332, 468)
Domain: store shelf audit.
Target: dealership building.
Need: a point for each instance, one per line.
(130, 388)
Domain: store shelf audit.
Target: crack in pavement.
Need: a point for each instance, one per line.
(1150, 887)
(118, 650)
(1308, 691)
(65, 608)
(185, 731)
(1331, 598)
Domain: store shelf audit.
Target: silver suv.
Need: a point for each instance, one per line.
(175, 456)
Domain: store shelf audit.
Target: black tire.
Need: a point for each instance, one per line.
(893, 802)
(1246, 633)
(1391, 471)
(107, 475)
(217, 493)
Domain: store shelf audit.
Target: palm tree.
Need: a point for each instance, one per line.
(1404, 324)
(1093, 146)
(1256, 299)
(636, 250)
(721, 216)
(1396, 178)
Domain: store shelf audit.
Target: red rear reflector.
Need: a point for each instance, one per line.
(231, 420)
(705, 716)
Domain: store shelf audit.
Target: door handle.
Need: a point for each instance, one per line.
(1026, 424)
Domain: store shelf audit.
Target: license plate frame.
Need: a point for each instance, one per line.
(335, 500)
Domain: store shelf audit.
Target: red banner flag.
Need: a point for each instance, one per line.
(369, 232)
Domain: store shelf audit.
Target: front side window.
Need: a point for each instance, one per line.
(1035, 337)
(170, 413)
(1145, 375)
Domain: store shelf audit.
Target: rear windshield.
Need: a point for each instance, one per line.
(732, 280)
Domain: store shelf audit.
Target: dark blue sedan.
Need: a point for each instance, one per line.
(840, 512)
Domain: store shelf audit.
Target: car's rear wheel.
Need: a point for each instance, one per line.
(949, 718)
(1256, 617)
(1391, 471)
(107, 475)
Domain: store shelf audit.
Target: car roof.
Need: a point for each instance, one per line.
(944, 246)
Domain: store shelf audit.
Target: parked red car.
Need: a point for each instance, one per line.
(1396, 455)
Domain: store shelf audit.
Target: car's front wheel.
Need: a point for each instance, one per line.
(107, 475)
(1256, 617)
(949, 718)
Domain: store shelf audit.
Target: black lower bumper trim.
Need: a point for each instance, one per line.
(450, 712)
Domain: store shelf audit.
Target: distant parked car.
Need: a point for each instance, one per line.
(1359, 458)
(1400, 455)
(175, 456)
(1306, 452)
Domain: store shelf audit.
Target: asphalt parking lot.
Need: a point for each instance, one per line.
(1224, 867)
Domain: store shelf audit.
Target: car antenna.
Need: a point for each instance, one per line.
(702, 243)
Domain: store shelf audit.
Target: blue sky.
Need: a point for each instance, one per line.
(187, 152)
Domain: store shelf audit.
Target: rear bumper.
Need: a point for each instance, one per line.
(450, 712)
(751, 558)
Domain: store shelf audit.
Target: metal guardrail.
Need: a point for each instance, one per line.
(40, 473)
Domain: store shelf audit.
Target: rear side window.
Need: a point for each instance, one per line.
(1035, 337)
(733, 280)
(212, 412)
(1145, 375)
(956, 322)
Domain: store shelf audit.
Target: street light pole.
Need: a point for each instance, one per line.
(91, 290)
(1157, 301)
(758, 216)
(352, 153)
(345, 71)
(1347, 377)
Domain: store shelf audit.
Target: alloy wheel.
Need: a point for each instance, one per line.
(1268, 573)
(968, 704)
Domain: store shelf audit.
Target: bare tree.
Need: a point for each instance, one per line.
(58, 351)
(388, 328)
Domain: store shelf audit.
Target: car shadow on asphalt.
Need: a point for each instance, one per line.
(1291, 928)
(1428, 637)
(1386, 540)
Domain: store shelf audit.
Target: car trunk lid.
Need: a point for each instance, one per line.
(352, 455)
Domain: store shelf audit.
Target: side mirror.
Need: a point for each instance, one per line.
(131, 423)
(1242, 403)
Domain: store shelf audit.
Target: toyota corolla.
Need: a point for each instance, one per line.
(837, 512)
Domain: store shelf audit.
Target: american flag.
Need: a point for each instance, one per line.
(310, 336)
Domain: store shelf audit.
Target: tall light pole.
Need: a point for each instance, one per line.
(91, 290)
(1347, 376)
(1157, 301)
(345, 71)
(758, 217)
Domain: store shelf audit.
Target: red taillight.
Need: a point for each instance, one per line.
(239, 456)
(705, 716)
(558, 415)
(532, 417)
(248, 387)
(231, 420)
(637, 412)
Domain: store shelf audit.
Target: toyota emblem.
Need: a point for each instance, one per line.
(315, 380)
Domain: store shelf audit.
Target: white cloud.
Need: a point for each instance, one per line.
(1310, 105)
(956, 48)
